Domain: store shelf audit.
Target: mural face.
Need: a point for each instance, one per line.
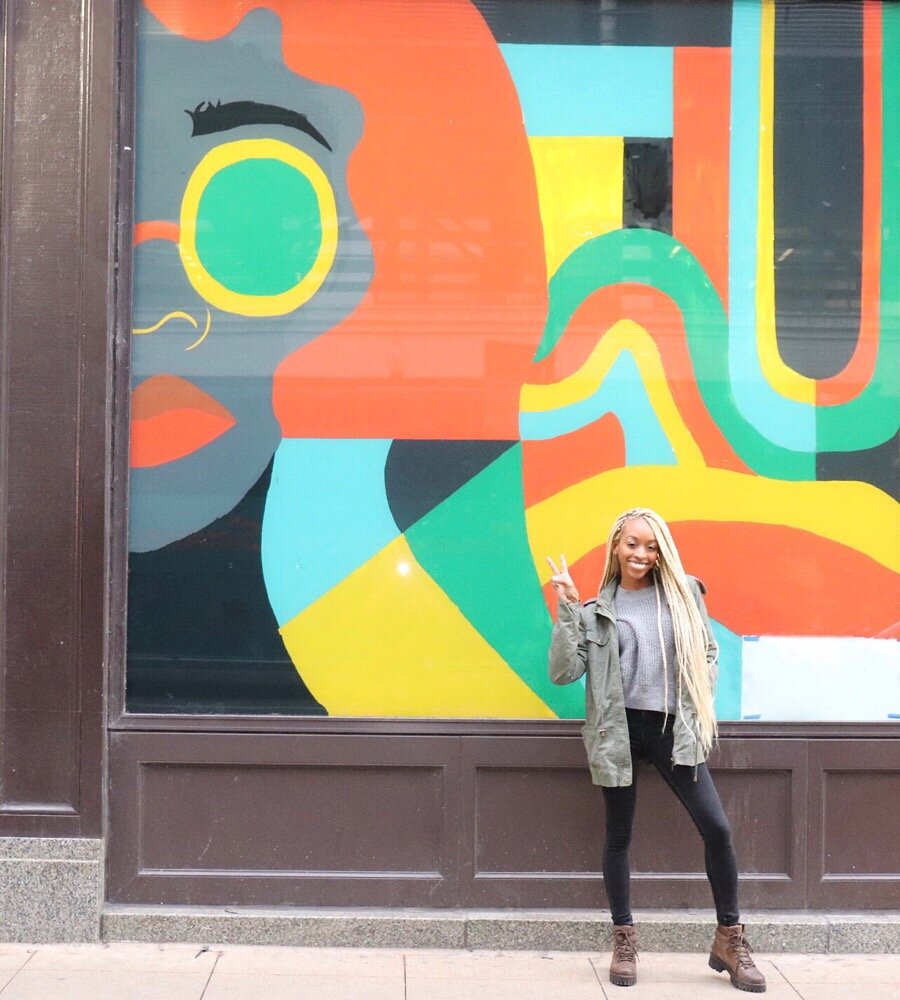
(423, 292)
(239, 207)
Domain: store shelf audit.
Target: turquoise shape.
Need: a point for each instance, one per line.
(785, 422)
(593, 90)
(622, 393)
(728, 688)
(326, 514)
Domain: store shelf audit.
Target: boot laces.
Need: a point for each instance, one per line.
(741, 947)
(624, 946)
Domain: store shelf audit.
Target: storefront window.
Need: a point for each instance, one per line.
(425, 291)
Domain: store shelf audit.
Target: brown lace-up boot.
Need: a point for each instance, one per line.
(623, 967)
(731, 953)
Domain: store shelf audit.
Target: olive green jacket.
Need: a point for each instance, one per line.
(585, 639)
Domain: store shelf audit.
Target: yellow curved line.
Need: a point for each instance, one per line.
(625, 335)
(575, 520)
(202, 336)
(587, 379)
(784, 379)
(163, 321)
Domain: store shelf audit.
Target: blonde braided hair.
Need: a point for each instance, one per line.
(690, 633)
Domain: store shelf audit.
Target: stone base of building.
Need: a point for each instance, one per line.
(504, 930)
(51, 890)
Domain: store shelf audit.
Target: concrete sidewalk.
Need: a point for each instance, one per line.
(124, 971)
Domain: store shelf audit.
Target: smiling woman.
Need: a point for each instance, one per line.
(646, 650)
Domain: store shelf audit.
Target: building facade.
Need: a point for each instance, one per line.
(324, 323)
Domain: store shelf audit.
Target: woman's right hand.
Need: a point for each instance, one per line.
(563, 584)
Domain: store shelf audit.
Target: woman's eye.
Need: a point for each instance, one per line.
(258, 227)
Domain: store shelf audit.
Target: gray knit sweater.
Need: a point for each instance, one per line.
(640, 655)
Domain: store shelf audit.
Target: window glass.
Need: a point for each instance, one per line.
(426, 290)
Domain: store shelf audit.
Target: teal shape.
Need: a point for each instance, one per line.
(475, 546)
(326, 514)
(258, 226)
(728, 688)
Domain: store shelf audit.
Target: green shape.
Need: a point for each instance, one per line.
(648, 257)
(728, 686)
(475, 546)
(873, 416)
(258, 227)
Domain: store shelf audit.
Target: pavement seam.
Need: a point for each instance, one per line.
(211, 971)
(785, 978)
(405, 994)
(31, 955)
(599, 980)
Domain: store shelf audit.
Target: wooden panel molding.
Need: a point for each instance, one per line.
(490, 821)
(283, 819)
(58, 112)
(854, 824)
(533, 827)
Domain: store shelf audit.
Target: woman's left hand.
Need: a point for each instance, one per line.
(562, 582)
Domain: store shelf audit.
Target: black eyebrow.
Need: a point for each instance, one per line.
(208, 118)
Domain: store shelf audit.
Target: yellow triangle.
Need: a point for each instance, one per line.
(387, 641)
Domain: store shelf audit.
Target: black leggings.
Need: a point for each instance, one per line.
(699, 797)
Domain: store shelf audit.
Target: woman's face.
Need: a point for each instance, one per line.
(638, 552)
(246, 248)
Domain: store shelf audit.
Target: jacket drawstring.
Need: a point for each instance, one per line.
(662, 647)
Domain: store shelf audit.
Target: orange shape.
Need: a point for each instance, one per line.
(170, 418)
(548, 467)
(775, 580)
(700, 157)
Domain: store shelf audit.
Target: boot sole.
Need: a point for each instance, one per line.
(622, 980)
(717, 965)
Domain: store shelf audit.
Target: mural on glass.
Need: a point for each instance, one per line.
(424, 291)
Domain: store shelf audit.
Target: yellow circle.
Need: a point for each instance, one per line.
(215, 293)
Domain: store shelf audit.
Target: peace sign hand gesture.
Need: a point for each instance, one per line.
(563, 584)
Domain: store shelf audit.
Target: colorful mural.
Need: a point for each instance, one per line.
(425, 291)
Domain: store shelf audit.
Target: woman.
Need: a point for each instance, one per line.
(647, 647)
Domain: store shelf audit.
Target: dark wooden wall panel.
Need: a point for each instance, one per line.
(764, 788)
(228, 818)
(293, 818)
(535, 826)
(450, 820)
(59, 109)
(854, 823)
(532, 824)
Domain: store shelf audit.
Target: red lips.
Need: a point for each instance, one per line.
(171, 418)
